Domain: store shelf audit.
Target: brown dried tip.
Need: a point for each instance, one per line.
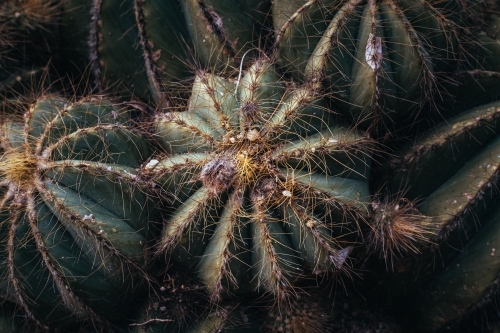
(397, 227)
(218, 174)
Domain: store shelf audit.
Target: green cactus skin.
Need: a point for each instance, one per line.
(465, 176)
(384, 59)
(264, 182)
(140, 47)
(223, 30)
(469, 282)
(108, 45)
(74, 216)
(478, 82)
(453, 170)
(457, 140)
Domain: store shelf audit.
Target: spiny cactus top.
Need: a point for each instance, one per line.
(382, 58)
(264, 182)
(73, 215)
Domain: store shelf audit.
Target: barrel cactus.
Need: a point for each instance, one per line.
(453, 169)
(75, 216)
(383, 59)
(141, 47)
(265, 184)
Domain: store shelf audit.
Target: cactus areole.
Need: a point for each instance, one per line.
(265, 184)
(73, 212)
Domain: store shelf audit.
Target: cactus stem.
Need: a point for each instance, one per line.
(171, 236)
(148, 54)
(86, 230)
(283, 30)
(223, 271)
(271, 266)
(93, 42)
(215, 26)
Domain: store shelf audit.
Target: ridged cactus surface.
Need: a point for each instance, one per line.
(74, 217)
(383, 59)
(140, 47)
(451, 175)
(254, 164)
(265, 183)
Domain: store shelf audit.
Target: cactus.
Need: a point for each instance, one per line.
(456, 272)
(26, 28)
(384, 60)
(454, 147)
(74, 214)
(141, 47)
(265, 184)
(468, 283)
(264, 188)
(8, 321)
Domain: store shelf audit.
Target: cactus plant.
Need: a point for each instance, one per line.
(24, 22)
(457, 270)
(264, 186)
(384, 60)
(264, 183)
(74, 214)
(140, 47)
(8, 321)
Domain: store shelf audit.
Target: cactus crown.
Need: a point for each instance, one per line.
(264, 182)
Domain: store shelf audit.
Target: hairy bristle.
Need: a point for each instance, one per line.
(18, 166)
(397, 228)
